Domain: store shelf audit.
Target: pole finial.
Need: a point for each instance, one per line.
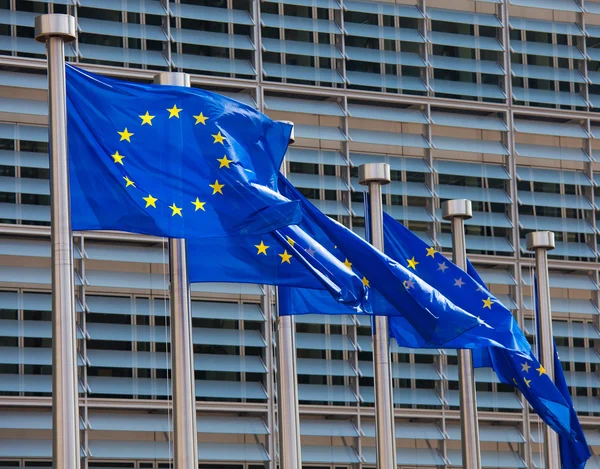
(540, 239)
(374, 172)
(55, 25)
(173, 79)
(457, 208)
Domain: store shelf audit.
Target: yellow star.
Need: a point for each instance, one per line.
(176, 210)
(290, 241)
(412, 263)
(224, 162)
(174, 111)
(262, 248)
(365, 282)
(118, 158)
(487, 303)
(147, 118)
(150, 201)
(201, 119)
(431, 252)
(285, 257)
(199, 205)
(216, 187)
(129, 182)
(527, 381)
(525, 367)
(541, 370)
(348, 264)
(219, 138)
(125, 135)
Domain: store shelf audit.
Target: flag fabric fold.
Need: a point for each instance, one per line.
(296, 256)
(518, 369)
(394, 290)
(171, 161)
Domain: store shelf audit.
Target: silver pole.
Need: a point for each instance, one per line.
(457, 211)
(290, 452)
(185, 436)
(541, 242)
(55, 31)
(375, 175)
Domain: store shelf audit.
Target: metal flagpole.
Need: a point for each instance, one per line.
(55, 31)
(375, 175)
(457, 211)
(541, 242)
(290, 453)
(185, 436)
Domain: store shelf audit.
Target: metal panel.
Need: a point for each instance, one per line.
(462, 17)
(564, 5)
(541, 26)
(396, 163)
(548, 97)
(468, 89)
(378, 8)
(329, 454)
(385, 56)
(546, 50)
(466, 65)
(468, 121)
(567, 225)
(326, 108)
(204, 13)
(385, 81)
(551, 153)
(550, 128)
(463, 40)
(578, 178)
(470, 146)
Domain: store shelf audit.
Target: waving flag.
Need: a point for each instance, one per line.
(521, 370)
(172, 161)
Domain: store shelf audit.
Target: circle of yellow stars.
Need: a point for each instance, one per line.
(217, 187)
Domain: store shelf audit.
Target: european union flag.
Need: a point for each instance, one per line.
(573, 453)
(171, 161)
(396, 290)
(521, 370)
(286, 257)
(296, 256)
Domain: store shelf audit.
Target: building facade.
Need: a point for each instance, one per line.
(491, 100)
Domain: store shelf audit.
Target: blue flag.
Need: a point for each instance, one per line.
(171, 161)
(521, 370)
(296, 256)
(573, 454)
(396, 290)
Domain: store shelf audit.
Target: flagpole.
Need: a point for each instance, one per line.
(55, 31)
(375, 175)
(457, 211)
(185, 436)
(541, 242)
(290, 452)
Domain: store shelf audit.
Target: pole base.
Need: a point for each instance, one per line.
(55, 25)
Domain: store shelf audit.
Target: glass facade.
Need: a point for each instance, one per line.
(491, 100)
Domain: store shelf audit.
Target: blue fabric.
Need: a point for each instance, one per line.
(394, 290)
(468, 290)
(573, 454)
(172, 143)
(296, 256)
